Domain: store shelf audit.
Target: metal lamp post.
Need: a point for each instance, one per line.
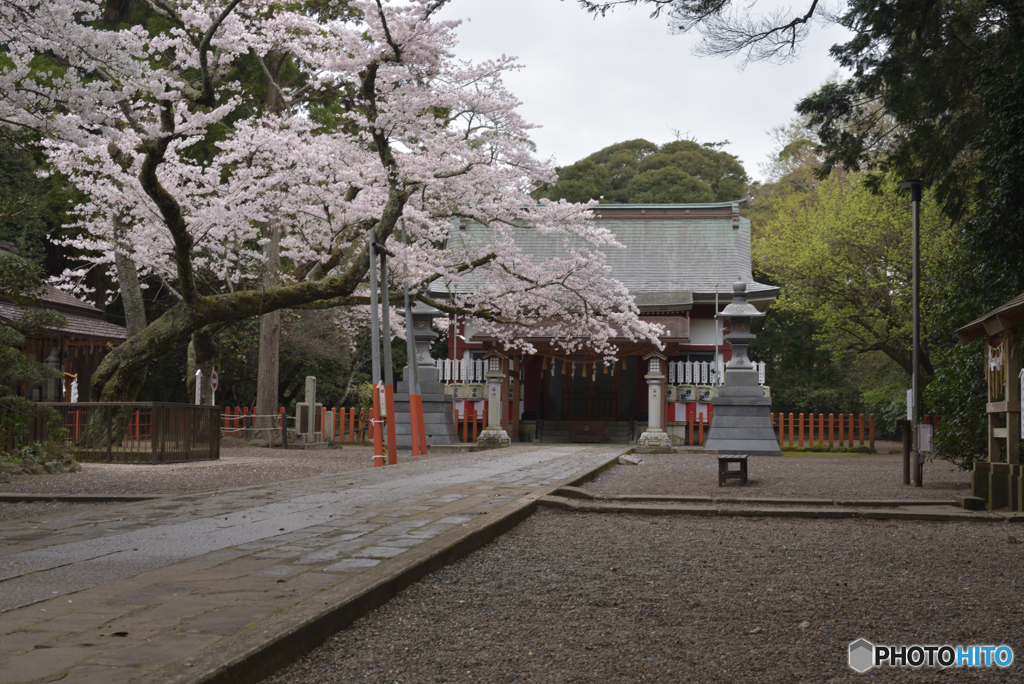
(915, 391)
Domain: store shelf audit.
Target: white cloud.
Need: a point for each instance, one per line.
(591, 82)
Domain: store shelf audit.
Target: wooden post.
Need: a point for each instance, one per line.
(821, 429)
(791, 429)
(831, 424)
(862, 429)
(514, 401)
(871, 431)
(800, 435)
(841, 417)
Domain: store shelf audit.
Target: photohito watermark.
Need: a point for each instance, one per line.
(865, 655)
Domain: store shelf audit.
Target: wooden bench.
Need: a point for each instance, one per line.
(725, 472)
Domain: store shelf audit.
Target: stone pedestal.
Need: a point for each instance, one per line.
(437, 406)
(741, 422)
(493, 435)
(655, 437)
(437, 410)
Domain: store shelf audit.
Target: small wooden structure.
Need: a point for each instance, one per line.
(999, 479)
(726, 471)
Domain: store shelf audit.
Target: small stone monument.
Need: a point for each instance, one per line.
(741, 422)
(655, 437)
(493, 435)
(306, 414)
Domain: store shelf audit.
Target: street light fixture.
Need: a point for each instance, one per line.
(915, 391)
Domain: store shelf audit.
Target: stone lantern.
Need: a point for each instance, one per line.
(655, 437)
(741, 422)
(494, 371)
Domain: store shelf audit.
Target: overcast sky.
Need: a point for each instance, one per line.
(593, 82)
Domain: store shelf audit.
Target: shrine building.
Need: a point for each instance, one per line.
(679, 259)
(76, 349)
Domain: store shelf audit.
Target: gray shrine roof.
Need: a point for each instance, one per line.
(995, 321)
(83, 319)
(674, 256)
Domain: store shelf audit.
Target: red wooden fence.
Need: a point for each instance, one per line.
(350, 425)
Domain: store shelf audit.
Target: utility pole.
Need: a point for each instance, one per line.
(389, 379)
(915, 409)
(375, 413)
(416, 418)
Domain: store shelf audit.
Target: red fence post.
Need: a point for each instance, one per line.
(831, 426)
(862, 429)
(871, 431)
(800, 435)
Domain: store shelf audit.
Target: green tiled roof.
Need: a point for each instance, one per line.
(674, 253)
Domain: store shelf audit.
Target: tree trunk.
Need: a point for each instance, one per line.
(268, 374)
(202, 351)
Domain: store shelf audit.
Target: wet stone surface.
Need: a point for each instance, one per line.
(141, 586)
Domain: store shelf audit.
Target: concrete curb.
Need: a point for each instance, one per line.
(578, 493)
(594, 506)
(81, 498)
(254, 654)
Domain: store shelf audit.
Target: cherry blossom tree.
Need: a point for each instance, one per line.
(189, 182)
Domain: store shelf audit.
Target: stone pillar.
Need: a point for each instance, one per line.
(311, 400)
(655, 437)
(493, 435)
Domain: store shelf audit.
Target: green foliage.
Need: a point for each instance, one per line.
(804, 376)
(914, 104)
(21, 282)
(843, 254)
(33, 208)
(958, 394)
(640, 172)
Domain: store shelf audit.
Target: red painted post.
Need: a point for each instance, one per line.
(389, 400)
(791, 429)
(831, 425)
(800, 437)
(821, 429)
(862, 429)
(871, 431)
(378, 433)
(782, 428)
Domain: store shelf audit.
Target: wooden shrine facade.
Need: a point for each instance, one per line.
(679, 264)
(76, 349)
(999, 480)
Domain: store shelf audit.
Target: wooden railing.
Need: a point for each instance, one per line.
(135, 432)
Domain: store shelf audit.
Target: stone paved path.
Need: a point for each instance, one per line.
(120, 593)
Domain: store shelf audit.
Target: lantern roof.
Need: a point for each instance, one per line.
(740, 307)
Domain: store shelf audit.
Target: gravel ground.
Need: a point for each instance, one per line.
(862, 476)
(238, 467)
(575, 597)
